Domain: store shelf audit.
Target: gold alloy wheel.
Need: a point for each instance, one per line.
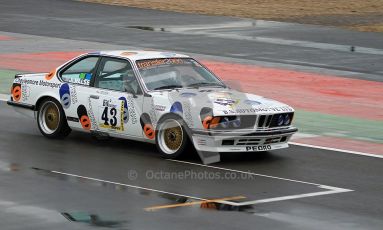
(49, 117)
(173, 138)
(170, 136)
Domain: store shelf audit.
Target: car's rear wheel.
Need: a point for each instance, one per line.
(51, 119)
(171, 137)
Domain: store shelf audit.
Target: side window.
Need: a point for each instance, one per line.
(117, 74)
(80, 72)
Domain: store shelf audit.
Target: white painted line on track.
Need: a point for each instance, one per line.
(244, 172)
(292, 197)
(330, 189)
(126, 185)
(336, 150)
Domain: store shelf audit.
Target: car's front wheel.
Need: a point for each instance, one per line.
(51, 119)
(172, 139)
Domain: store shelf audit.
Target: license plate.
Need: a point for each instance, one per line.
(258, 148)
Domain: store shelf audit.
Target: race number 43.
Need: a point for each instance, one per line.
(109, 116)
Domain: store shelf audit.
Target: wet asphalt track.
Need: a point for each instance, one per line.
(34, 192)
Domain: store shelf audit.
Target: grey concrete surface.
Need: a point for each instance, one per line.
(111, 24)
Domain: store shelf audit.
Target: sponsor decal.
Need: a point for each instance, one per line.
(85, 76)
(223, 98)
(39, 83)
(83, 117)
(272, 109)
(132, 111)
(91, 114)
(152, 112)
(122, 116)
(109, 116)
(25, 92)
(73, 93)
(176, 108)
(141, 64)
(26, 81)
(225, 101)
(49, 84)
(188, 114)
(159, 107)
(64, 93)
(81, 81)
(125, 110)
(257, 110)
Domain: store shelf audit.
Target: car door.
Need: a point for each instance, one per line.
(76, 90)
(117, 100)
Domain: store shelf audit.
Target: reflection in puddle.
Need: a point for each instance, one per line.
(149, 28)
(110, 185)
(175, 199)
(226, 207)
(92, 219)
(10, 167)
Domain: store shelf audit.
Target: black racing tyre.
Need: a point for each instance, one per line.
(51, 119)
(172, 138)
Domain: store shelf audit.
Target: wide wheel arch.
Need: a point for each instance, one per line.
(176, 116)
(64, 128)
(187, 132)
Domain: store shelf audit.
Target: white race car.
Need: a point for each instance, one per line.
(167, 99)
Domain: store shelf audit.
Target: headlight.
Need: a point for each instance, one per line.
(281, 120)
(225, 122)
(287, 119)
(236, 122)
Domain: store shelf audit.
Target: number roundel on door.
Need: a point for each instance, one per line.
(111, 115)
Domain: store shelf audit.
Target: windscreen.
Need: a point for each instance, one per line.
(168, 73)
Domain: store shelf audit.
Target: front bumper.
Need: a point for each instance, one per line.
(242, 140)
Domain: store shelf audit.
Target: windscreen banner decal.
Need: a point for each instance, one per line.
(157, 62)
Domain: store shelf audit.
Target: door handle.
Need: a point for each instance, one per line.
(94, 96)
